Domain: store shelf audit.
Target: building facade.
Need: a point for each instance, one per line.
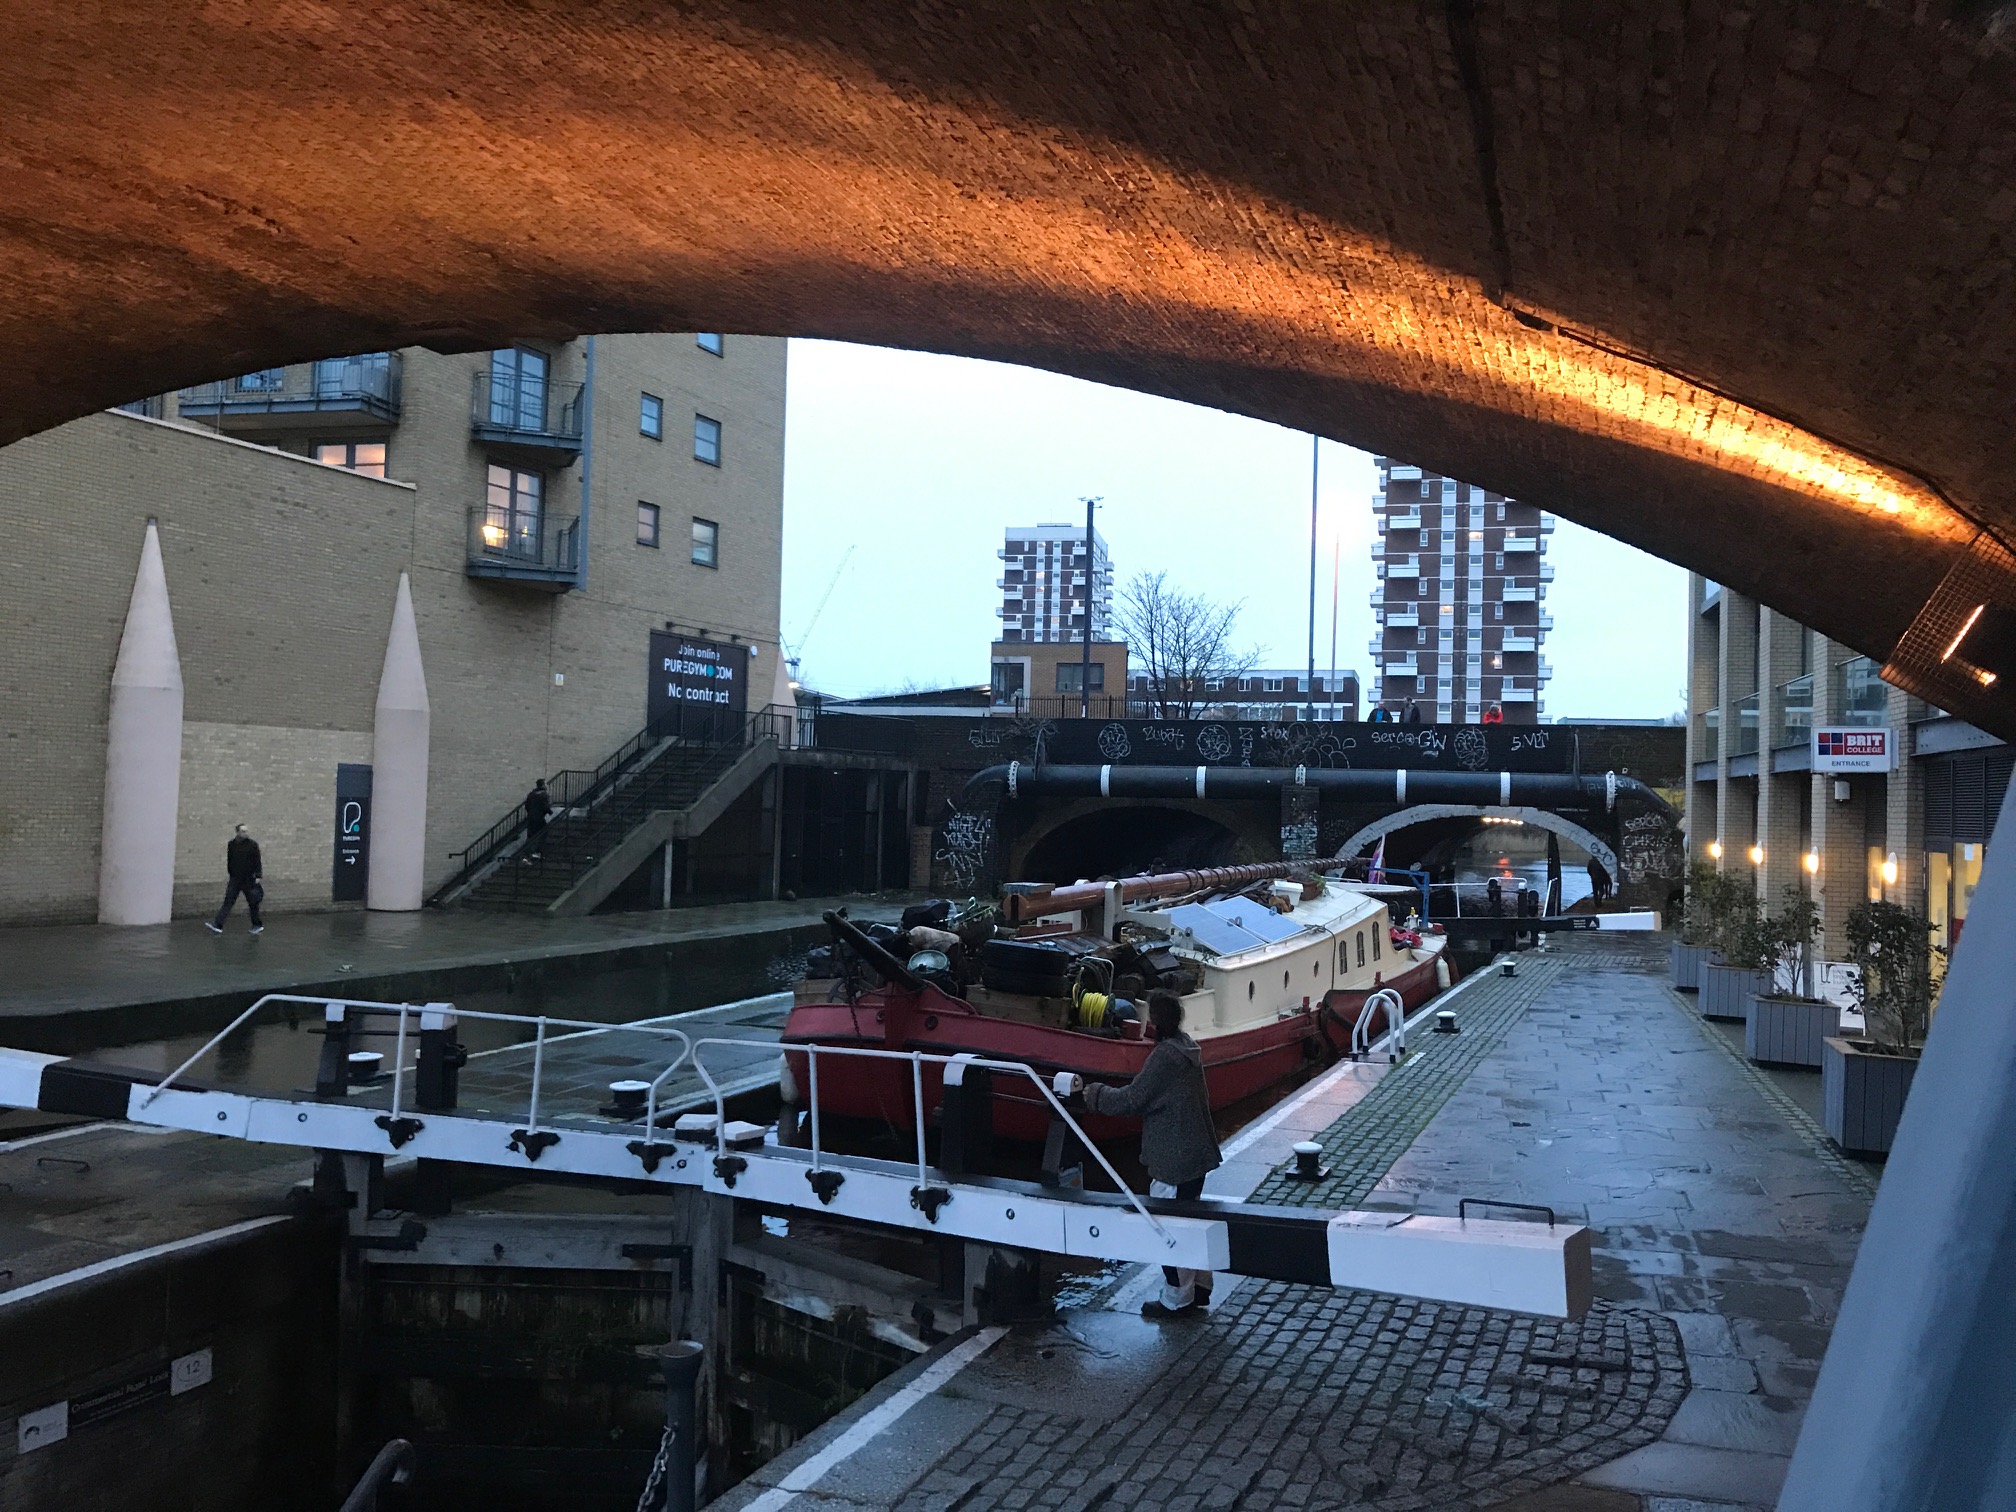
(1058, 679)
(1772, 706)
(1047, 584)
(1461, 601)
(551, 506)
(1265, 693)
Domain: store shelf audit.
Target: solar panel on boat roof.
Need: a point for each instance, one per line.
(1254, 918)
(1213, 931)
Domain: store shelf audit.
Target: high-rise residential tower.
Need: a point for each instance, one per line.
(1045, 581)
(1461, 598)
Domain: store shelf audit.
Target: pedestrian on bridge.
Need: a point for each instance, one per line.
(1179, 1145)
(242, 870)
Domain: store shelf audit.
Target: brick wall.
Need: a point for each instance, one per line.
(281, 575)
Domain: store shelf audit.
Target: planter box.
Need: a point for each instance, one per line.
(1786, 1032)
(1862, 1095)
(1726, 990)
(1687, 963)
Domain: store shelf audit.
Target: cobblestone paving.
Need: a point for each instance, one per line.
(1288, 1398)
(1365, 1142)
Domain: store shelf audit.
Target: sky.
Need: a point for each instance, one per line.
(919, 462)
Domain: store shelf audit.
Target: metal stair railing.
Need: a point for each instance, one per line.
(674, 775)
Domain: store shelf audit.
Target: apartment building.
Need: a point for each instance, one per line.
(562, 511)
(1461, 602)
(1048, 586)
(1807, 770)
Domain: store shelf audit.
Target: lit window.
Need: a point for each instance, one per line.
(709, 341)
(511, 516)
(706, 543)
(651, 417)
(367, 457)
(647, 524)
(707, 440)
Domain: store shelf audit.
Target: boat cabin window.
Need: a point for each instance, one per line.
(1249, 991)
(1375, 944)
(1361, 947)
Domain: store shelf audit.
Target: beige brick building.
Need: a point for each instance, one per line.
(549, 523)
(1759, 685)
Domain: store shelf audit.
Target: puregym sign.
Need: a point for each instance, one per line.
(695, 682)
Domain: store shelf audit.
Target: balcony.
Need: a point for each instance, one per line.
(1406, 520)
(1547, 523)
(1519, 695)
(1404, 474)
(340, 395)
(1521, 544)
(532, 420)
(1518, 595)
(1743, 739)
(1520, 643)
(1795, 713)
(1406, 567)
(1403, 666)
(1546, 572)
(1402, 619)
(1861, 694)
(1546, 620)
(527, 549)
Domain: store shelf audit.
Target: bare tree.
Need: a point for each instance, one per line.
(1182, 642)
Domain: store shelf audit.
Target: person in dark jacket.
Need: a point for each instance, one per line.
(538, 808)
(1179, 1146)
(242, 870)
(1413, 713)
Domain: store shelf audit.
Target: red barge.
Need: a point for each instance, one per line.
(1272, 979)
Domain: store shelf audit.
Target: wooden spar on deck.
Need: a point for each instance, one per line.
(1018, 907)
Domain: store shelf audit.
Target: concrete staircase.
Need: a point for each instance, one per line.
(673, 791)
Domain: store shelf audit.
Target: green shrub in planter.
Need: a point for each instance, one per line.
(1694, 947)
(1864, 1082)
(1789, 1027)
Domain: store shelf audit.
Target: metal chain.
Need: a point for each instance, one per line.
(653, 1497)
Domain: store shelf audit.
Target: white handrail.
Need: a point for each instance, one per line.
(917, 1061)
(400, 1012)
(1394, 1007)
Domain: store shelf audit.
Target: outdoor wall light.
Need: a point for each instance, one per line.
(1715, 850)
(1811, 862)
(1756, 855)
(1890, 870)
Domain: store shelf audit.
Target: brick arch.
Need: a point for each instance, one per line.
(1770, 345)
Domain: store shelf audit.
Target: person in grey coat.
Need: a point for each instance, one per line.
(1179, 1145)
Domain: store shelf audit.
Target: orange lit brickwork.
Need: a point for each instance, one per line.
(1491, 249)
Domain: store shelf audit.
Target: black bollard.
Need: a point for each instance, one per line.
(442, 1056)
(680, 1361)
(332, 1069)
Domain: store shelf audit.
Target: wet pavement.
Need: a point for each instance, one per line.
(1724, 1229)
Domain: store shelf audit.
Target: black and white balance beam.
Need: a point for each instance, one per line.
(1517, 1266)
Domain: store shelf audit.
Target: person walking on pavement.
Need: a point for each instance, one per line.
(242, 871)
(1179, 1146)
(1599, 881)
(538, 808)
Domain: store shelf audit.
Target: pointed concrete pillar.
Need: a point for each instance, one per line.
(143, 756)
(399, 768)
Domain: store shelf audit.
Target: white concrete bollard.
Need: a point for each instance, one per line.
(143, 756)
(399, 738)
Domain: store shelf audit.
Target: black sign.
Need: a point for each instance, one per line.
(698, 686)
(353, 832)
(113, 1400)
(1289, 743)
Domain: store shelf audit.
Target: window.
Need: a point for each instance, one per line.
(1499, 509)
(707, 440)
(1071, 674)
(1498, 561)
(706, 543)
(709, 341)
(265, 381)
(511, 512)
(1272, 685)
(1421, 636)
(367, 457)
(1497, 611)
(1375, 942)
(518, 389)
(647, 524)
(1361, 947)
(651, 417)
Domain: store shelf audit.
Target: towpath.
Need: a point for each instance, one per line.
(1724, 1226)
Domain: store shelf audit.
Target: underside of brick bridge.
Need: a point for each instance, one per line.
(1732, 282)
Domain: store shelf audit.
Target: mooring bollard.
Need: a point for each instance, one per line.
(680, 1361)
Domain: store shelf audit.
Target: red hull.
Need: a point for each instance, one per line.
(1236, 1066)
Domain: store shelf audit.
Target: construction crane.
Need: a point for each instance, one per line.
(797, 652)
